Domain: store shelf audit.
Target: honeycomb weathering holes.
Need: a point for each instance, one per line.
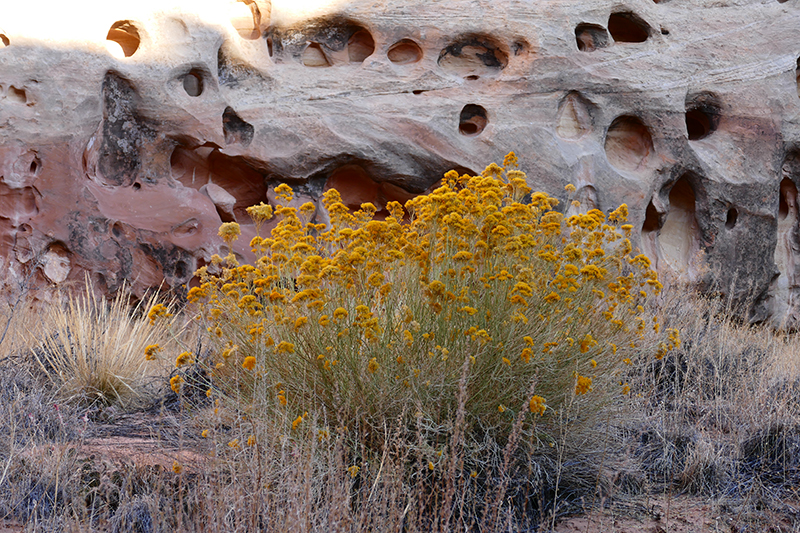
(193, 83)
(126, 35)
(574, 120)
(698, 124)
(731, 218)
(473, 120)
(680, 235)
(475, 55)
(404, 52)
(628, 28)
(314, 56)
(360, 46)
(590, 37)
(702, 114)
(788, 198)
(628, 144)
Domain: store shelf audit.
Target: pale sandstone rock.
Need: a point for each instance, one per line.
(130, 130)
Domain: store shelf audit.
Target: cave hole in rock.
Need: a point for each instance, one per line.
(193, 83)
(702, 115)
(126, 35)
(573, 120)
(731, 218)
(137, 186)
(628, 28)
(17, 95)
(404, 52)
(4, 40)
(35, 166)
(360, 46)
(270, 50)
(698, 124)
(116, 230)
(473, 56)
(314, 56)
(651, 219)
(473, 120)
(238, 177)
(591, 37)
(628, 144)
(680, 236)
(181, 270)
(357, 187)
(235, 129)
(787, 198)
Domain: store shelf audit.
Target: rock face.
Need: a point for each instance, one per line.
(130, 130)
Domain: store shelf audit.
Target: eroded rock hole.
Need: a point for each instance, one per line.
(116, 230)
(731, 218)
(573, 120)
(137, 186)
(702, 115)
(226, 177)
(193, 83)
(314, 56)
(360, 46)
(788, 198)
(270, 51)
(17, 95)
(181, 270)
(235, 129)
(126, 35)
(698, 124)
(473, 120)
(404, 52)
(591, 37)
(4, 40)
(651, 219)
(628, 28)
(679, 237)
(473, 56)
(355, 186)
(628, 144)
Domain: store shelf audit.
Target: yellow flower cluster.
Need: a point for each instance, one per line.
(377, 312)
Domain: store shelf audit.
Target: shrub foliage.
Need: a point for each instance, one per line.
(479, 298)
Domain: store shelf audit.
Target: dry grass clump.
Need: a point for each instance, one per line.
(93, 349)
(719, 417)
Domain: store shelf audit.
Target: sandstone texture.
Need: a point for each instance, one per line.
(130, 130)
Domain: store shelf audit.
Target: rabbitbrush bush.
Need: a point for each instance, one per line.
(484, 295)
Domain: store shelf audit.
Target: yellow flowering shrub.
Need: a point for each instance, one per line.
(366, 320)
